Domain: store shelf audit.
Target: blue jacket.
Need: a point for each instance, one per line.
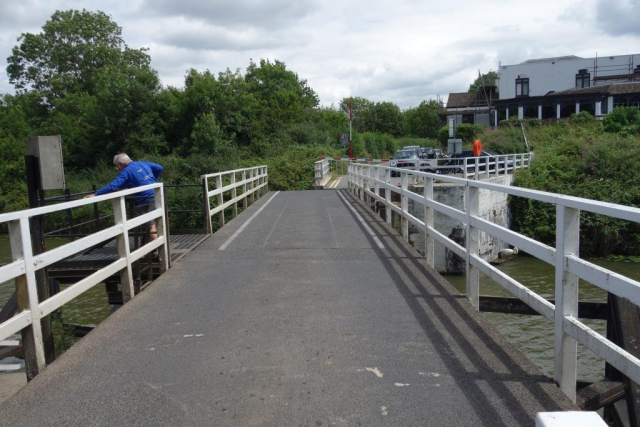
(136, 174)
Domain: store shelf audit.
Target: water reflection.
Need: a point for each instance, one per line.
(533, 335)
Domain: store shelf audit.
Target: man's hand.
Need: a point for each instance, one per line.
(88, 196)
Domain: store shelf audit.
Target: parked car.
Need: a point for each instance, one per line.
(430, 158)
(405, 158)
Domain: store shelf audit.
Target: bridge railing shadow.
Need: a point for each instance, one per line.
(476, 358)
(367, 181)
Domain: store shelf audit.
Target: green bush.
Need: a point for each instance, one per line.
(623, 119)
(468, 132)
(580, 160)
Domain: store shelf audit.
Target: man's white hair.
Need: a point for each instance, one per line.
(121, 159)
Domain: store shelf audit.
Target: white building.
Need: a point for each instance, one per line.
(553, 88)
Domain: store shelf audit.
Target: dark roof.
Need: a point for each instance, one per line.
(460, 100)
(612, 89)
(469, 99)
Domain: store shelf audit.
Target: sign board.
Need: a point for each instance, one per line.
(48, 150)
(454, 146)
(452, 127)
(343, 138)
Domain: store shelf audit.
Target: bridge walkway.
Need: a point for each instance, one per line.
(316, 313)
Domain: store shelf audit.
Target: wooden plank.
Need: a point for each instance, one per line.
(600, 394)
(510, 305)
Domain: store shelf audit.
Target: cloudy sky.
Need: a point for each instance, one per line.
(403, 51)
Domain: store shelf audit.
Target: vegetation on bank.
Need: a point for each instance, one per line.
(579, 157)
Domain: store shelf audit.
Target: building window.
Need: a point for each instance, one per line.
(522, 87)
(583, 79)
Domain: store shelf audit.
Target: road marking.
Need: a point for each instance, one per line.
(276, 223)
(243, 226)
(364, 224)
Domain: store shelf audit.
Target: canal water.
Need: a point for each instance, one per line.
(534, 335)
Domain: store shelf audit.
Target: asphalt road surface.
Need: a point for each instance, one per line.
(313, 314)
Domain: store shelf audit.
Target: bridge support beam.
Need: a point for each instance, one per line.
(566, 348)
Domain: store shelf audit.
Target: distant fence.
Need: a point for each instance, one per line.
(367, 181)
(26, 263)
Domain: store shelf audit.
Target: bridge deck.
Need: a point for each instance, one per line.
(303, 320)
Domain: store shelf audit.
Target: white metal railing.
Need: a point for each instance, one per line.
(26, 263)
(250, 181)
(322, 169)
(468, 167)
(368, 180)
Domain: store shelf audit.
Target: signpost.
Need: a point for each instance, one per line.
(454, 145)
(343, 138)
(350, 130)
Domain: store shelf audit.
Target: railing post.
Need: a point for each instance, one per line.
(220, 198)
(488, 167)
(126, 275)
(27, 297)
(244, 190)
(477, 169)
(566, 352)
(472, 202)
(387, 197)
(266, 179)
(234, 208)
(464, 174)
(206, 203)
(404, 204)
(429, 251)
(253, 195)
(162, 229)
(376, 177)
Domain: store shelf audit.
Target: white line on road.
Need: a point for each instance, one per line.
(364, 224)
(243, 226)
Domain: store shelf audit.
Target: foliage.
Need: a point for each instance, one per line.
(69, 54)
(468, 132)
(579, 160)
(487, 79)
(623, 119)
(422, 121)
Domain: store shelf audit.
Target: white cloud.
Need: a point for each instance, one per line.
(403, 51)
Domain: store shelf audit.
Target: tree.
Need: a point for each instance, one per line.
(488, 79)
(69, 53)
(387, 118)
(362, 113)
(282, 97)
(422, 121)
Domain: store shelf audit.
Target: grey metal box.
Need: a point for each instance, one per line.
(48, 150)
(454, 146)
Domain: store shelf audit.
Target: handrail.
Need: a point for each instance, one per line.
(367, 180)
(26, 263)
(252, 181)
(322, 169)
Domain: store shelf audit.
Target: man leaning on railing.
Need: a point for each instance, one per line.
(134, 174)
